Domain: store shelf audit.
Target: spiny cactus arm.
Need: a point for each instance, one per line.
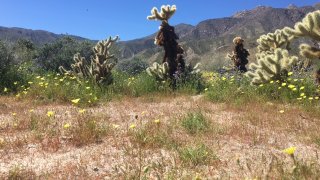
(102, 47)
(63, 70)
(309, 26)
(165, 13)
(309, 51)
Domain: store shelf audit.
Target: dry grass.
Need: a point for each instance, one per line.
(138, 138)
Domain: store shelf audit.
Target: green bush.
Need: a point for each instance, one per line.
(195, 123)
(61, 52)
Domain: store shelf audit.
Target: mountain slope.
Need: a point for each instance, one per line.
(38, 37)
(209, 41)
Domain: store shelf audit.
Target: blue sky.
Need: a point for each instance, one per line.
(97, 19)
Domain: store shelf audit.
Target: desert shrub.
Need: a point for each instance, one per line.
(60, 53)
(10, 71)
(133, 66)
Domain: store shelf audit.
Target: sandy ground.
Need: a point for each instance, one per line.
(247, 141)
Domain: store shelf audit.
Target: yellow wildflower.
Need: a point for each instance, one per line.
(299, 98)
(206, 89)
(281, 111)
(283, 84)
(42, 78)
(132, 126)
(157, 121)
(13, 114)
(87, 87)
(271, 82)
(5, 89)
(294, 89)
(38, 77)
(302, 94)
(30, 82)
(261, 85)
(75, 101)
(290, 150)
(291, 86)
(31, 110)
(295, 80)
(50, 113)
(310, 98)
(81, 111)
(290, 73)
(15, 83)
(223, 78)
(66, 126)
(302, 88)
(316, 98)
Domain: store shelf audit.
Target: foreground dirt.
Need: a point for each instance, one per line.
(247, 140)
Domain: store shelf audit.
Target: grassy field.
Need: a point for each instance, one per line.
(61, 127)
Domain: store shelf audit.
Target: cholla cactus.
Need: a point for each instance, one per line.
(165, 14)
(271, 66)
(160, 72)
(271, 41)
(101, 64)
(308, 27)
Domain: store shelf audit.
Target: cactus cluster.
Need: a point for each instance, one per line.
(273, 59)
(159, 71)
(271, 66)
(101, 64)
(271, 41)
(308, 27)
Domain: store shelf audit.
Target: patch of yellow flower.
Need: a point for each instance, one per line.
(50, 113)
(81, 111)
(132, 126)
(281, 111)
(290, 73)
(290, 150)
(66, 126)
(302, 88)
(291, 86)
(75, 101)
(5, 89)
(157, 121)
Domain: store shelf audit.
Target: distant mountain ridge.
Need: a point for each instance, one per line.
(38, 37)
(207, 42)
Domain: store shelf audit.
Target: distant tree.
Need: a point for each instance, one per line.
(61, 52)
